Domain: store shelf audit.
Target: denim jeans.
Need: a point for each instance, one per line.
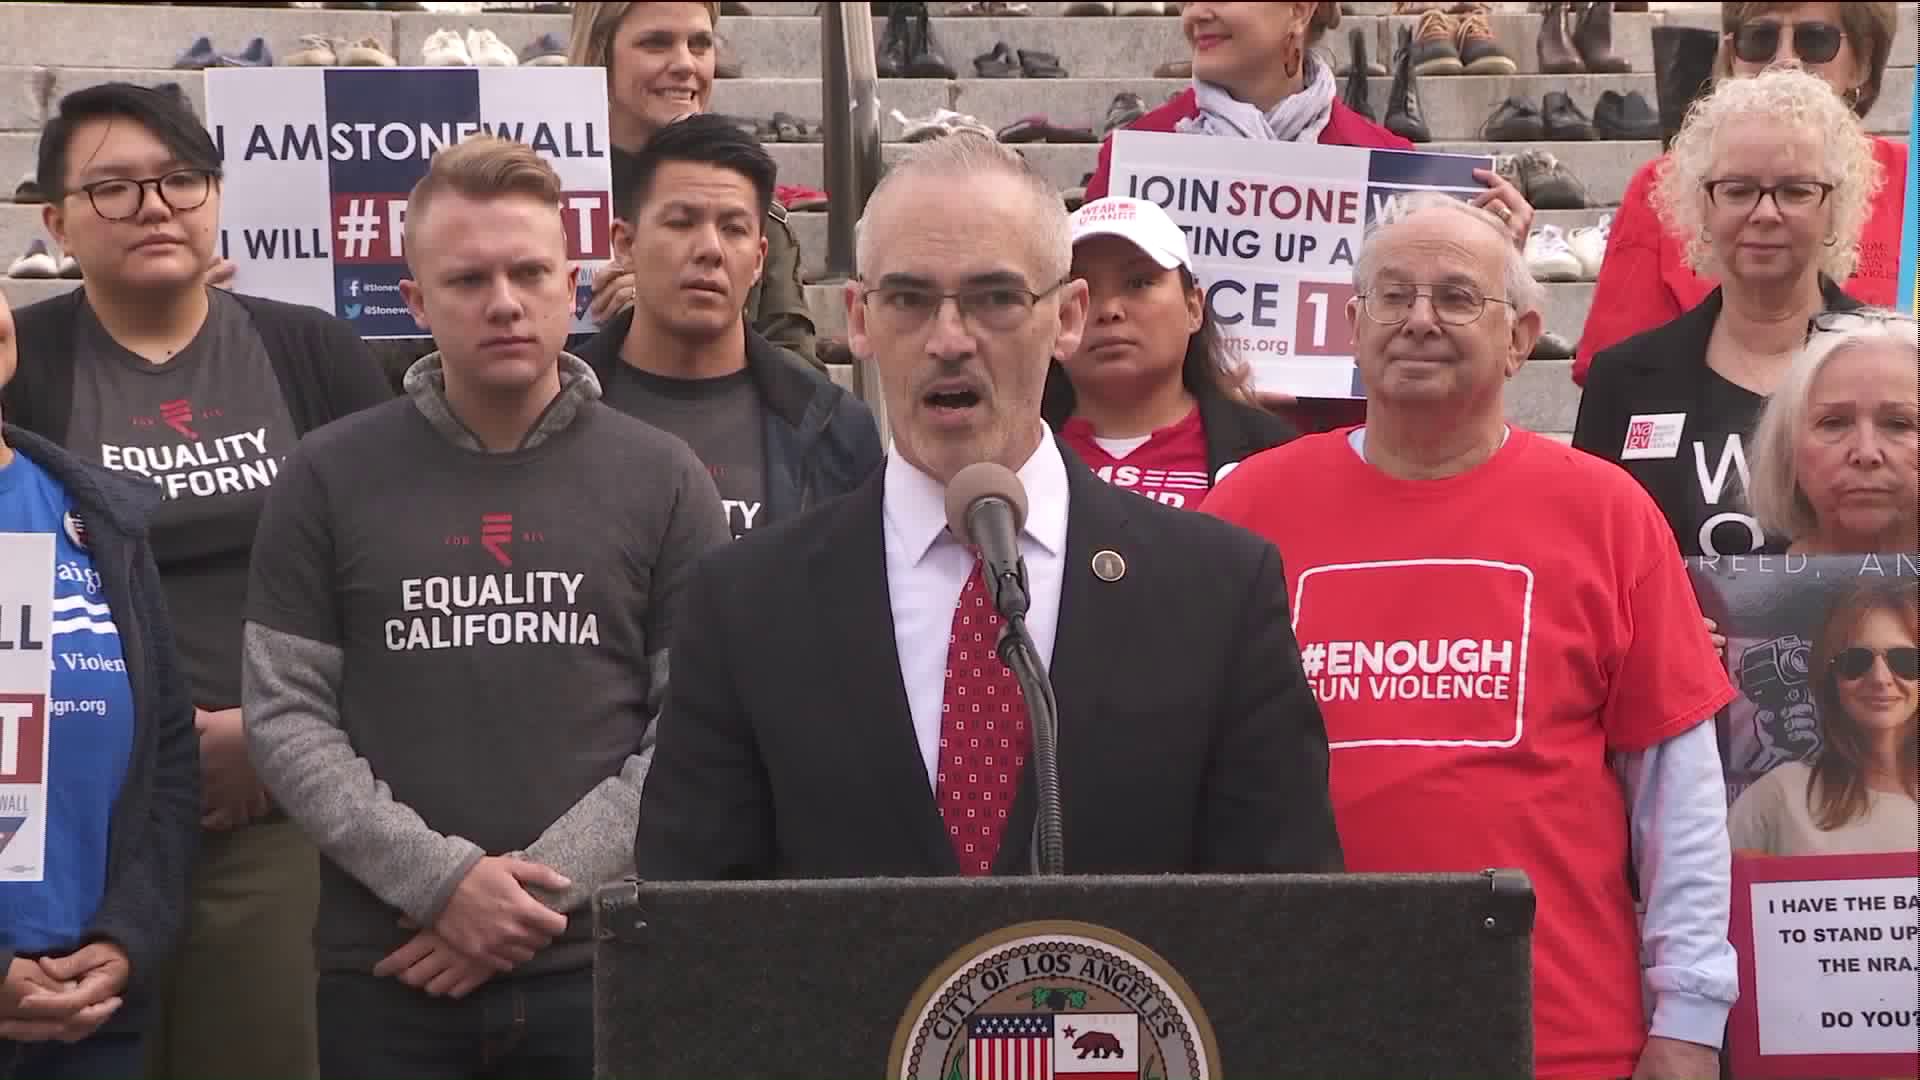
(107, 1055)
(510, 1029)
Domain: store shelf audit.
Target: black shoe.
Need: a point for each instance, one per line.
(1124, 110)
(1683, 58)
(925, 61)
(1564, 120)
(1625, 116)
(1355, 93)
(1000, 63)
(1404, 115)
(1035, 64)
(1357, 58)
(1551, 346)
(1514, 120)
(895, 45)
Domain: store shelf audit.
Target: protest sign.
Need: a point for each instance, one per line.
(319, 162)
(1910, 233)
(1824, 906)
(1274, 228)
(26, 678)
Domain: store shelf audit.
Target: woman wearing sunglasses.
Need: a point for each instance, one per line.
(1647, 279)
(1836, 454)
(1857, 794)
(1771, 179)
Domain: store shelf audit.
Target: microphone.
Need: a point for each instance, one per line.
(986, 506)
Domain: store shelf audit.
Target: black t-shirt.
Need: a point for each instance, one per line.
(721, 419)
(496, 614)
(211, 427)
(1713, 519)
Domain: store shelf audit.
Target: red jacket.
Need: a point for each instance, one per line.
(1645, 281)
(1344, 128)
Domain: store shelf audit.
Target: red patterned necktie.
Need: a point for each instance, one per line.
(983, 732)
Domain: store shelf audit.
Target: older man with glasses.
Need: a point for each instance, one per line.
(147, 371)
(825, 717)
(1487, 617)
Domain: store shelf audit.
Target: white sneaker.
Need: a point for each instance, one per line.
(488, 50)
(1589, 245)
(35, 263)
(1549, 257)
(1140, 9)
(445, 48)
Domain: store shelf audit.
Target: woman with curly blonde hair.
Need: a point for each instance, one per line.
(1646, 279)
(1770, 181)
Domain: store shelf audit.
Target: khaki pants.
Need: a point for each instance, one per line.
(238, 1002)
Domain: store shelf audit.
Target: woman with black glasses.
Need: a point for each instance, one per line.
(1857, 794)
(1769, 179)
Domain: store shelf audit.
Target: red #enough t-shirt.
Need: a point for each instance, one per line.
(1478, 645)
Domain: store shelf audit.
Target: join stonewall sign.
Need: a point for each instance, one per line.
(26, 678)
(1274, 228)
(319, 162)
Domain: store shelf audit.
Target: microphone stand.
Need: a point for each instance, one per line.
(1047, 853)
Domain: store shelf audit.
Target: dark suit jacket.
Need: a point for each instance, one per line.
(1661, 371)
(1189, 740)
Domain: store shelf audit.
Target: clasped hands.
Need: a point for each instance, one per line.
(490, 926)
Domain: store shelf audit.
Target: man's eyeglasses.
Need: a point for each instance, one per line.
(996, 308)
(1813, 42)
(120, 198)
(1854, 663)
(1792, 197)
(1453, 304)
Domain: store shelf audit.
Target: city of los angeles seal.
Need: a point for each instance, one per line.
(1054, 999)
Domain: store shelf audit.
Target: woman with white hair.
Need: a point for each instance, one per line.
(1836, 454)
(1770, 180)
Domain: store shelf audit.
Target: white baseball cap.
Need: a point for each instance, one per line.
(1141, 223)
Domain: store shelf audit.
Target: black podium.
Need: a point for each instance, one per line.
(1334, 977)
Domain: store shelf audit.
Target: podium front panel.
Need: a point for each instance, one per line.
(1081, 978)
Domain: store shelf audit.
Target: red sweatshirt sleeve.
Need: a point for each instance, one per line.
(1631, 295)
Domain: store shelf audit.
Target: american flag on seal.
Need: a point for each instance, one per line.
(1013, 1046)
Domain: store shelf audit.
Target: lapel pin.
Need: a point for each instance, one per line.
(1109, 566)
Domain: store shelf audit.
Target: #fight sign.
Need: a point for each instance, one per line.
(1274, 229)
(26, 678)
(319, 162)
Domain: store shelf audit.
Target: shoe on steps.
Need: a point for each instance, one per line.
(1479, 53)
(255, 55)
(924, 59)
(1549, 257)
(316, 50)
(1035, 64)
(1405, 117)
(1564, 120)
(1625, 116)
(1593, 39)
(997, 63)
(1354, 94)
(27, 191)
(1434, 52)
(445, 48)
(35, 263)
(198, 56)
(1514, 120)
(367, 52)
(1555, 49)
(1589, 244)
(488, 50)
(1547, 183)
(1174, 69)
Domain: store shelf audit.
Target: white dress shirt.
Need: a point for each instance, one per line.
(927, 568)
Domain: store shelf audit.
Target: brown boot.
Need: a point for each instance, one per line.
(1433, 50)
(1479, 53)
(1593, 39)
(1556, 50)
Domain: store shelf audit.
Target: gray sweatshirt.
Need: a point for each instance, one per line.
(451, 653)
